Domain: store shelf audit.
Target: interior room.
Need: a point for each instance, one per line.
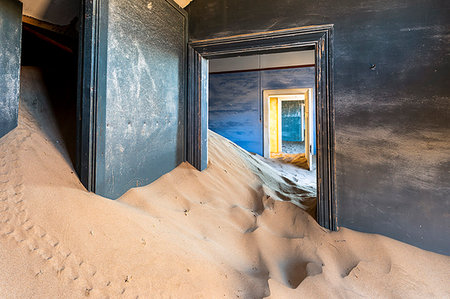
(237, 108)
(258, 102)
(224, 149)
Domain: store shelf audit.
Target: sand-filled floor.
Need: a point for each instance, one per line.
(235, 230)
(293, 147)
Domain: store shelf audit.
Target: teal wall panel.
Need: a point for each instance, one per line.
(291, 121)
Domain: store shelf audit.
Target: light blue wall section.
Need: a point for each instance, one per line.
(291, 121)
(235, 102)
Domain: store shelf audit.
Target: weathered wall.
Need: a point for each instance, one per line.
(391, 94)
(235, 102)
(10, 45)
(141, 123)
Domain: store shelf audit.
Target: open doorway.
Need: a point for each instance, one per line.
(318, 38)
(265, 104)
(49, 79)
(289, 126)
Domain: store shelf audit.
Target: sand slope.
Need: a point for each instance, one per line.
(236, 230)
(296, 159)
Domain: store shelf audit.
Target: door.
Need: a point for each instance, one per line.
(132, 93)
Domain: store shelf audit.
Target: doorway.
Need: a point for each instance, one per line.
(289, 126)
(318, 38)
(49, 79)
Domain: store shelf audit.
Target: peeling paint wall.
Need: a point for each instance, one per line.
(10, 47)
(392, 100)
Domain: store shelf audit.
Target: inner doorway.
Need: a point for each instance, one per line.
(258, 102)
(289, 126)
(49, 73)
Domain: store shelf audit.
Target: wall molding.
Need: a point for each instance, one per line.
(91, 91)
(265, 69)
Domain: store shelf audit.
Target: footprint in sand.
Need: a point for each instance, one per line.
(16, 224)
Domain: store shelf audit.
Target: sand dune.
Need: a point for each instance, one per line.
(236, 230)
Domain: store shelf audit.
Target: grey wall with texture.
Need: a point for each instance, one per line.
(144, 111)
(10, 47)
(132, 97)
(392, 101)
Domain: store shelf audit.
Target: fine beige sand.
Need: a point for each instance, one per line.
(298, 160)
(236, 230)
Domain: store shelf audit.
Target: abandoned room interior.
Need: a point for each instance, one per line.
(224, 149)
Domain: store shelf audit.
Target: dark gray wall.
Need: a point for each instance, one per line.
(10, 45)
(141, 121)
(392, 119)
(236, 102)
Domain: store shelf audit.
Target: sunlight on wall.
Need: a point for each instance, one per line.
(274, 138)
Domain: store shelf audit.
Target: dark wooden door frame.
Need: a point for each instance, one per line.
(318, 37)
(91, 88)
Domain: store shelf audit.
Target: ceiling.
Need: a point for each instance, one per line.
(61, 12)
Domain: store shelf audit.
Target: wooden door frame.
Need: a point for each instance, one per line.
(318, 37)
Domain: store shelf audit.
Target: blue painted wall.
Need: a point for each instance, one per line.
(235, 108)
(235, 102)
